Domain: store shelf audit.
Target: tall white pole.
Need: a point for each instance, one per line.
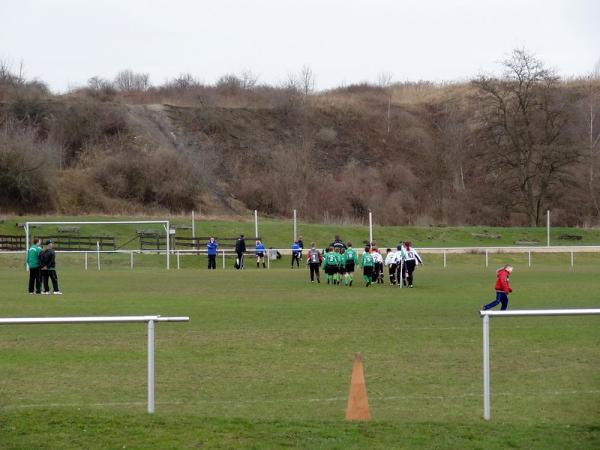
(150, 366)
(193, 225)
(295, 227)
(256, 223)
(548, 227)
(370, 228)
(26, 244)
(168, 231)
(486, 368)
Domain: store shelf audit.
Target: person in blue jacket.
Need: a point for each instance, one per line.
(296, 252)
(211, 250)
(260, 254)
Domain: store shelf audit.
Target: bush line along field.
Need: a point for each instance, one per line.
(278, 233)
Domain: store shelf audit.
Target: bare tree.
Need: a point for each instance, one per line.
(384, 79)
(522, 121)
(128, 81)
(306, 80)
(593, 134)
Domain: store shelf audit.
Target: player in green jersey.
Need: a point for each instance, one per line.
(330, 265)
(367, 266)
(349, 261)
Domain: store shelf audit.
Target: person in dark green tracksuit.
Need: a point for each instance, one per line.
(349, 261)
(367, 265)
(33, 262)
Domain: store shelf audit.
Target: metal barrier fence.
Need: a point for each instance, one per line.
(513, 313)
(150, 320)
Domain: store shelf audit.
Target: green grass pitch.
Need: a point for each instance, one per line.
(265, 361)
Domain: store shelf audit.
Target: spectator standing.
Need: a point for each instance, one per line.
(33, 262)
(296, 251)
(314, 260)
(48, 265)
(211, 249)
(260, 254)
(240, 249)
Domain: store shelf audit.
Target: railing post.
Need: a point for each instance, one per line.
(529, 258)
(486, 368)
(98, 253)
(571, 260)
(223, 259)
(177, 260)
(131, 260)
(486, 258)
(150, 366)
(444, 258)
(85, 261)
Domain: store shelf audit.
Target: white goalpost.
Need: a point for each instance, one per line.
(487, 415)
(164, 223)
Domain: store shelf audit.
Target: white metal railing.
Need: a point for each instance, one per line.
(443, 251)
(514, 313)
(150, 320)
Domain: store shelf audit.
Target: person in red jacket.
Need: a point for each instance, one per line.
(502, 288)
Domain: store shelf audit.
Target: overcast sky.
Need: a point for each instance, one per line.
(65, 42)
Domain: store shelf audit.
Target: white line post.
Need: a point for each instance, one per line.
(168, 231)
(26, 228)
(193, 226)
(256, 223)
(486, 368)
(514, 313)
(370, 228)
(223, 259)
(85, 261)
(131, 260)
(486, 258)
(548, 228)
(444, 258)
(150, 367)
(529, 258)
(98, 253)
(295, 227)
(177, 260)
(571, 260)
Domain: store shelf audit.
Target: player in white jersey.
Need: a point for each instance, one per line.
(377, 265)
(390, 262)
(411, 260)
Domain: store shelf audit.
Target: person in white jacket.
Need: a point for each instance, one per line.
(378, 266)
(390, 262)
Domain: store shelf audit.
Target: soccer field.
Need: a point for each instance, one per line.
(265, 361)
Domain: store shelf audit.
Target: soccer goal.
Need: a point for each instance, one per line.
(487, 415)
(97, 242)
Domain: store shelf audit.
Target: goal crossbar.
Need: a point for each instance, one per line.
(164, 223)
(514, 313)
(150, 320)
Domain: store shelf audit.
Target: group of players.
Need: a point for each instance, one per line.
(340, 260)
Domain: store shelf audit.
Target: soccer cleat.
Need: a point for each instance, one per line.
(57, 293)
(45, 293)
(410, 285)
